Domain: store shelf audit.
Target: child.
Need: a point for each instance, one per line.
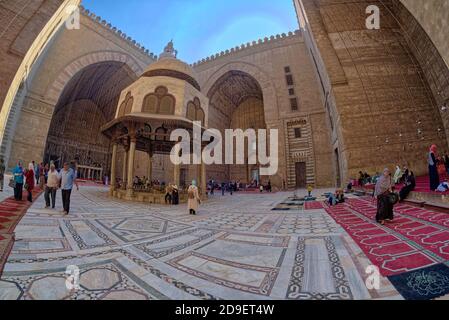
(309, 190)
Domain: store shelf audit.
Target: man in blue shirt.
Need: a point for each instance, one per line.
(68, 179)
(18, 179)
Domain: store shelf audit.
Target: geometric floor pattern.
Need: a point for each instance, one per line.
(237, 247)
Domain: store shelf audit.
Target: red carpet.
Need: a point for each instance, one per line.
(385, 249)
(11, 212)
(313, 205)
(422, 185)
(417, 238)
(6, 244)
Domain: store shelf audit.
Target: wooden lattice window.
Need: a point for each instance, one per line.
(159, 102)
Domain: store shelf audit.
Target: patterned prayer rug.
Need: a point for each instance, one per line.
(389, 250)
(313, 205)
(423, 284)
(11, 212)
(6, 244)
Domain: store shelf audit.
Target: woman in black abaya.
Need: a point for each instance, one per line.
(381, 193)
(433, 169)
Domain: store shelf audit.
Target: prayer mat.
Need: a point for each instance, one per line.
(425, 284)
(6, 244)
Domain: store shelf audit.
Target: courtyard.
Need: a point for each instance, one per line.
(339, 126)
(237, 247)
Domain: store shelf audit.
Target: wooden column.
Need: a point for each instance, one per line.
(132, 151)
(113, 168)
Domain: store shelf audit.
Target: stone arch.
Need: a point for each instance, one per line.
(268, 89)
(52, 94)
(57, 86)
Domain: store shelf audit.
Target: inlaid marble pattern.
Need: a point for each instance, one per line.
(318, 273)
(316, 223)
(104, 281)
(235, 248)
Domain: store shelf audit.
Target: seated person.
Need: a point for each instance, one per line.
(340, 195)
(361, 179)
(409, 186)
(366, 178)
(336, 198)
(404, 177)
(349, 188)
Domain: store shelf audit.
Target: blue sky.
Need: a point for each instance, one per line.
(199, 28)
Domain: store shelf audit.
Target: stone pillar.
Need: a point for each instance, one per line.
(132, 151)
(124, 171)
(113, 169)
(88, 174)
(203, 183)
(150, 167)
(177, 175)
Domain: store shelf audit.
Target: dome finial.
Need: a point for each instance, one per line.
(169, 51)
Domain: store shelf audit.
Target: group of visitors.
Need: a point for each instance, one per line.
(234, 186)
(438, 166)
(231, 187)
(364, 178)
(172, 194)
(335, 198)
(267, 187)
(193, 196)
(50, 180)
(145, 182)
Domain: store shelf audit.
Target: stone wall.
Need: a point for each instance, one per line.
(68, 53)
(379, 103)
(423, 42)
(265, 60)
(433, 17)
(21, 22)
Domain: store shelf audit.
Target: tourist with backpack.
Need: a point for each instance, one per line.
(193, 198)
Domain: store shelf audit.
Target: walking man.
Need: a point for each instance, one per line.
(68, 179)
(53, 181)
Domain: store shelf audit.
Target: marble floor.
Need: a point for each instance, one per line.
(237, 247)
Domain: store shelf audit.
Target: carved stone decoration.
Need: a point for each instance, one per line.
(159, 102)
(194, 111)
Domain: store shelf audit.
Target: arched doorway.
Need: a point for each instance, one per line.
(89, 100)
(236, 102)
